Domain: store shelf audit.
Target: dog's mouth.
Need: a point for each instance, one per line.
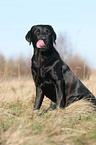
(41, 44)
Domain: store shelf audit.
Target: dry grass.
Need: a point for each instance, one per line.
(20, 125)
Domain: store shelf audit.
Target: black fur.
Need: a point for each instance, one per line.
(52, 77)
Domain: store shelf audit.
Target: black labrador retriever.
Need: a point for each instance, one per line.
(52, 77)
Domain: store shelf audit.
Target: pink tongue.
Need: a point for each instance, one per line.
(40, 44)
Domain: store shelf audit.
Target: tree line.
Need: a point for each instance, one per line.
(22, 67)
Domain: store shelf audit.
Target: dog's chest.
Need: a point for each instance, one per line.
(41, 71)
(45, 70)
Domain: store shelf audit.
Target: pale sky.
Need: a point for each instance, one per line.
(76, 18)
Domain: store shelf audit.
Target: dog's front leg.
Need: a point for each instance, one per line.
(39, 98)
(61, 100)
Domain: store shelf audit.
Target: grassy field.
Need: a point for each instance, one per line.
(20, 125)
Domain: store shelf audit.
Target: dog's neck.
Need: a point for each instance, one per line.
(44, 57)
(44, 53)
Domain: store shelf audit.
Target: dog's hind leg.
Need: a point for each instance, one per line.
(91, 98)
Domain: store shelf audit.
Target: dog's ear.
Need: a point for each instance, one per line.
(28, 37)
(54, 37)
(53, 33)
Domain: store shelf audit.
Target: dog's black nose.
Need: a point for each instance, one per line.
(43, 37)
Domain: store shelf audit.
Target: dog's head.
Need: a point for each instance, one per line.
(41, 36)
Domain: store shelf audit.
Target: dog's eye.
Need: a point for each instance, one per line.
(37, 32)
(47, 31)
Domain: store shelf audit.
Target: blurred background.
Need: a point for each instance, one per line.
(73, 21)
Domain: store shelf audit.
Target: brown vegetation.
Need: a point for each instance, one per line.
(22, 67)
(14, 68)
(79, 66)
(19, 124)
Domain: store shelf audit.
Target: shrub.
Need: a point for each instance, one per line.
(79, 67)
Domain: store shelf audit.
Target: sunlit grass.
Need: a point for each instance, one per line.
(19, 124)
